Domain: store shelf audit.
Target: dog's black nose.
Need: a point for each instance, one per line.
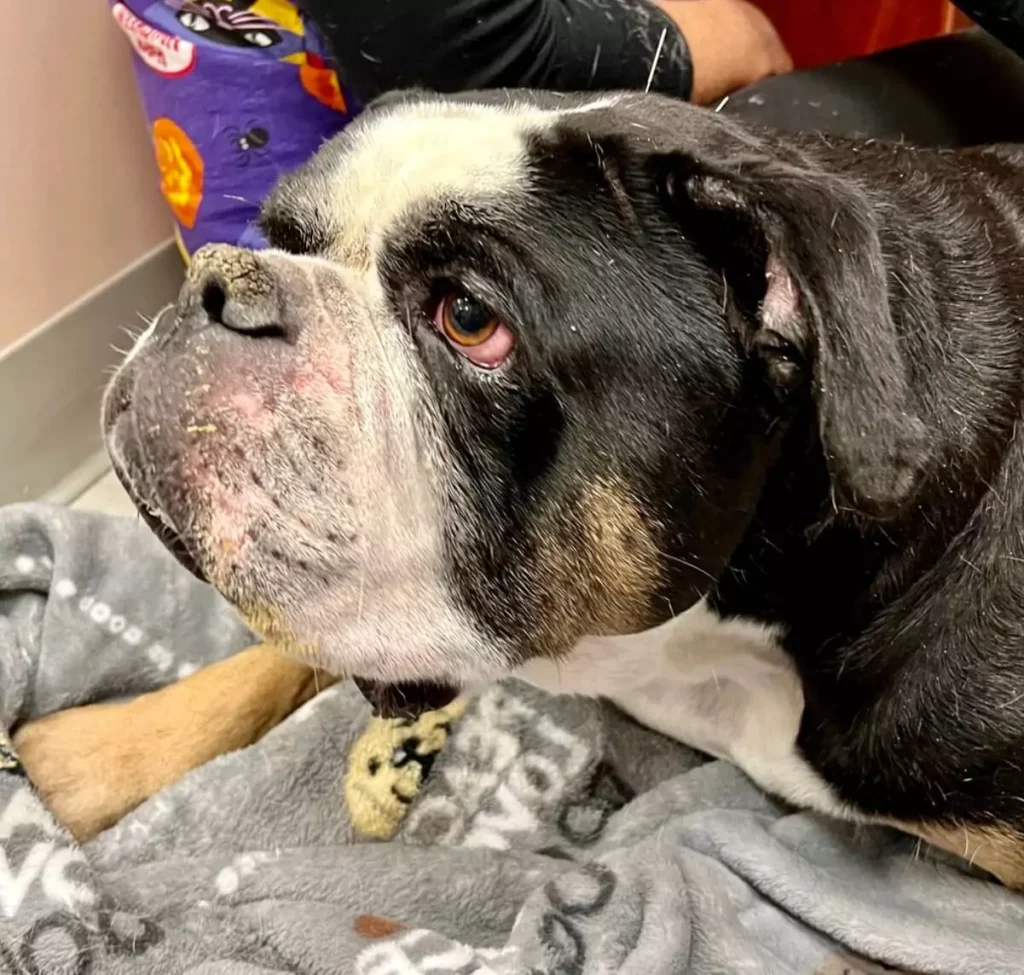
(236, 289)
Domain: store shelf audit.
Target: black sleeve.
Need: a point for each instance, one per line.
(1003, 19)
(451, 45)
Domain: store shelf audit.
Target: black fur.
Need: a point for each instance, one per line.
(889, 536)
(852, 474)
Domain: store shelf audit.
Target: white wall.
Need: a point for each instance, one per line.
(78, 184)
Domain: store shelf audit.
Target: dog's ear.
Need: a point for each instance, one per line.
(802, 261)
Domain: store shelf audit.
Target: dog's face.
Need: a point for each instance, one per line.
(495, 387)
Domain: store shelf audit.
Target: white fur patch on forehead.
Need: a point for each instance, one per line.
(433, 150)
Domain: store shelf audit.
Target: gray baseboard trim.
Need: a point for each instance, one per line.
(52, 380)
(71, 487)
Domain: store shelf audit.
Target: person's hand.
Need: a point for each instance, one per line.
(732, 44)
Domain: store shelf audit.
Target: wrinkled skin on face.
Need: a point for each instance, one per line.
(320, 430)
(292, 471)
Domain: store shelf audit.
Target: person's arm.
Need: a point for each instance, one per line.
(732, 44)
(702, 48)
(1003, 19)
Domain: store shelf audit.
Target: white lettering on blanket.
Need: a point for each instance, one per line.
(495, 785)
(103, 615)
(418, 952)
(45, 860)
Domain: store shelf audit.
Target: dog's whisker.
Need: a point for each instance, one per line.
(657, 58)
(689, 565)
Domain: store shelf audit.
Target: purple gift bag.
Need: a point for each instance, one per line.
(236, 93)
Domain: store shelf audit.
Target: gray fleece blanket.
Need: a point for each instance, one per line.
(545, 835)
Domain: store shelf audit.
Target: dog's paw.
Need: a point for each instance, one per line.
(95, 764)
(88, 764)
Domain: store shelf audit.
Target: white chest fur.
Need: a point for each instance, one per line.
(722, 686)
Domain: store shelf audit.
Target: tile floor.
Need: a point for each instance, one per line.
(105, 495)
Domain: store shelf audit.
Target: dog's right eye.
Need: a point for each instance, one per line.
(465, 320)
(472, 329)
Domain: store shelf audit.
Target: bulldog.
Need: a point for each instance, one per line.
(623, 397)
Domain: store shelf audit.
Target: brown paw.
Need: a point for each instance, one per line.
(94, 764)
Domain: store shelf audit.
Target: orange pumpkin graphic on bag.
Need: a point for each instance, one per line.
(181, 170)
(321, 82)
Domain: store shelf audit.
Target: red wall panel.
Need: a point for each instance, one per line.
(818, 31)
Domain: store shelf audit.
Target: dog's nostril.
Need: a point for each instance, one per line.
(261, 331)
(214, 300)
(256, 316)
